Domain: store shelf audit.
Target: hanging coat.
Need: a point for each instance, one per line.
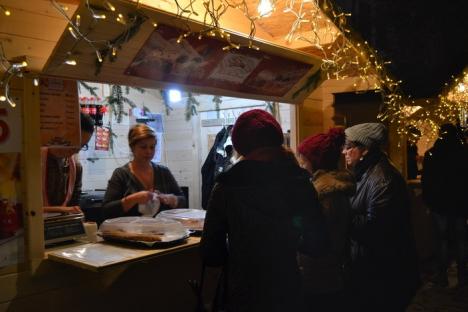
(211, 166)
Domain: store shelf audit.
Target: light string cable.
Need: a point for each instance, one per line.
(74, 29)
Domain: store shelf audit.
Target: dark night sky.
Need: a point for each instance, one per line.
(427, 41)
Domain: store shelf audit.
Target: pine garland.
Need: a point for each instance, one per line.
(191, 106)
(91, 90)
(165, 99)
(117, 99)
(217, 100)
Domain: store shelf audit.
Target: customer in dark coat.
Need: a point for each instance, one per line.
(324, 276)
(261, 212)
(445, 171)
(384, 274)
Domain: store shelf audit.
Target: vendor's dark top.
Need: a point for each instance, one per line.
(123, 183)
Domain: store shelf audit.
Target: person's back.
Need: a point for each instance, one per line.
(267, 210)
(265, 206)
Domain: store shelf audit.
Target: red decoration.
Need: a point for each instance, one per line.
(9, 221)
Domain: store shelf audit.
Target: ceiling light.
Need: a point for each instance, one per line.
(99, 16)
(265, 8)
(6, 11)
(174, 95)
(109, 6)
(19, 62)
(98, 55)
(70, 60)
(2, 98)
(72, 32)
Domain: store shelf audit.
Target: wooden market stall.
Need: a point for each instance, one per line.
(61, 278)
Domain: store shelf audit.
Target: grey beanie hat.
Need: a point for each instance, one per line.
(369, 134)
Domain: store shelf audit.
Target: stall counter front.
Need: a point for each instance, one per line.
(108, 277)
(98, 256)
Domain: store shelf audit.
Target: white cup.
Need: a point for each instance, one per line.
(91, 231)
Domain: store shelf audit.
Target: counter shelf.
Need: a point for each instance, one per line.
(101, 255)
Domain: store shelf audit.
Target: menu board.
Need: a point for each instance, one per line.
(60, 120)
(202, 62)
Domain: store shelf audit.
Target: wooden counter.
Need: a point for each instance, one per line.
(97, 256)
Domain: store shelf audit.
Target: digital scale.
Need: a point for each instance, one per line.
(63, 227)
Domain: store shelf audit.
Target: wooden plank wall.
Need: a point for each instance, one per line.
(317, 114)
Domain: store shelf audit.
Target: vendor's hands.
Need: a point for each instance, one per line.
(141, 197)
(168, 199)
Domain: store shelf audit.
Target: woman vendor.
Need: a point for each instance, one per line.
(141, 181)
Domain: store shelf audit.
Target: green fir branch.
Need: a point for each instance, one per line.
(165, 99)
(191, 106)
(146, 110)
(217, 100)
(91, 90)
(129, 102)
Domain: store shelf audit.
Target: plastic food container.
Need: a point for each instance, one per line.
(192, 219)
(143, 230)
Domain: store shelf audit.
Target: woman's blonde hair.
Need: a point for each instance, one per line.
(140, 132)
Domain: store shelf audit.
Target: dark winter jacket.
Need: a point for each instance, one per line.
(214, 162)
(259, 215)
(382, 244)
(325, 274)
(444, 176)
(123, 183)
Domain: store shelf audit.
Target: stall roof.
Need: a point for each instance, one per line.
(39, 31)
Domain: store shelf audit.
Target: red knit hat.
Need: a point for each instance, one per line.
(323, 150)
(255, 128)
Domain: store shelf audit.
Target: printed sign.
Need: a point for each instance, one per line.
(60, 120)
(102, 139)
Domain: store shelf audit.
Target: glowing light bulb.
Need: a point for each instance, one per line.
(5, 10)
(70, 60)
(265, 8)
(174, 95)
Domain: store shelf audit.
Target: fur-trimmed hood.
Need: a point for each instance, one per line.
(328, 182)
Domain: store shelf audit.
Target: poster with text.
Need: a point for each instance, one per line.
(60, 119)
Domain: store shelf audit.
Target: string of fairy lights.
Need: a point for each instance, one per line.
(317, 22)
